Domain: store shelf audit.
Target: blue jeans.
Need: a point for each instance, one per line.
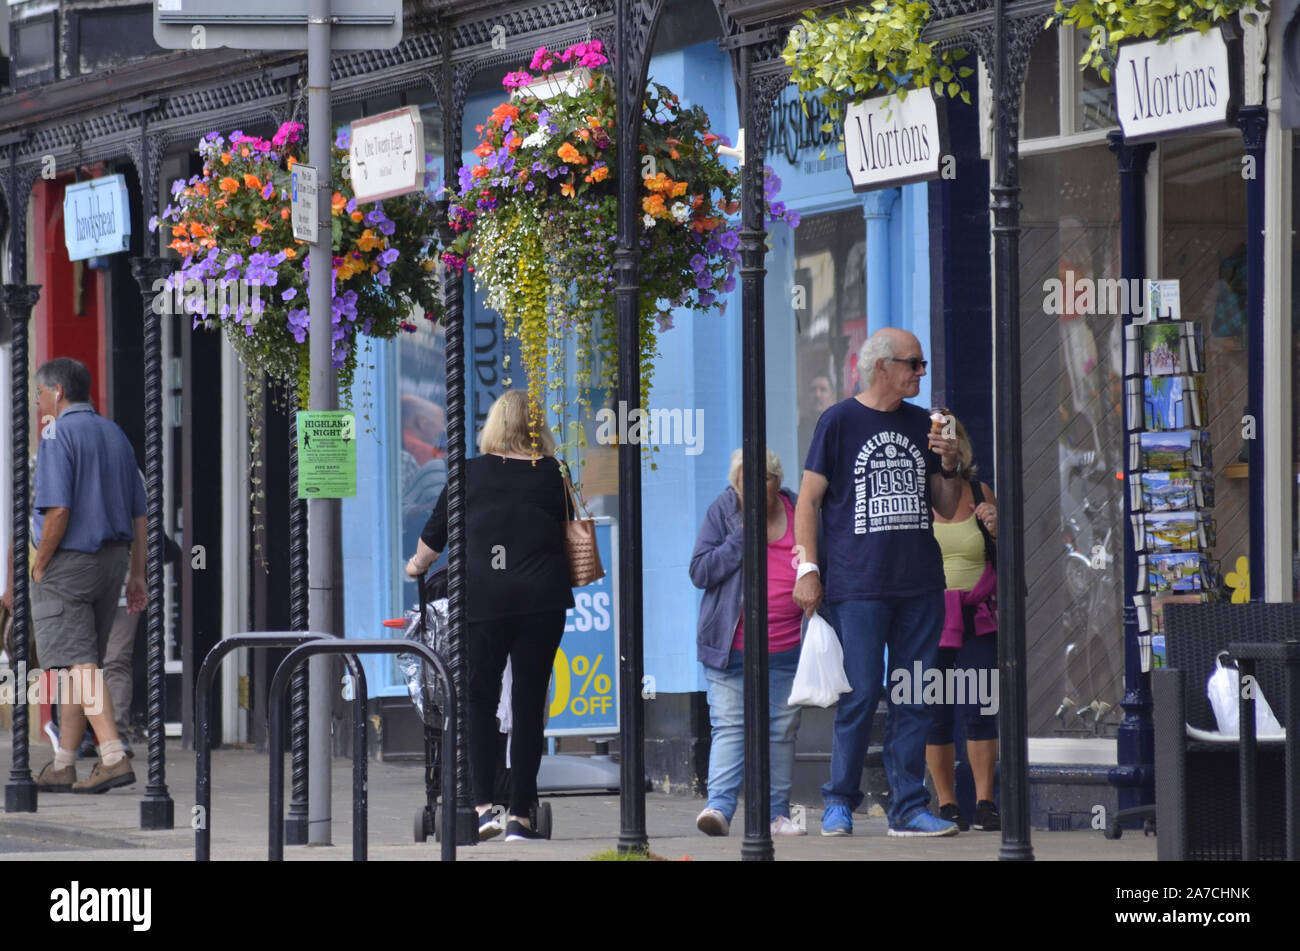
(910, 628)
(727, 715)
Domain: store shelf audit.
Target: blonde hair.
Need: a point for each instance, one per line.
(507, 429)
(965, 451)
(773, 468)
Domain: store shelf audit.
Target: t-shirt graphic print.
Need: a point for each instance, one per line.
(877, 539)
(887, 476)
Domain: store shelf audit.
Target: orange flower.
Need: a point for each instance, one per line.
(672, 154)
(587, 179)
(290, 253)
(368, 240)
(292, 162)
(179, 231)
(569, 154)
(225, 158)
(357, 216)
(502, 111)
(244, 153)
(220, 203)
(252, 181)
(679, 189)
(593, 122)
(261, 226)
(567, 190)
(229, 185)
(600, 174)
(197, 230)
(732, 207)
(653, 205)
(584, 134)
(515, 142)
(484, 149)
(479, 171)
(338, 203)
(284, 212)
(201, 189)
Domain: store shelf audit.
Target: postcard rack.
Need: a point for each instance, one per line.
(1170, 473)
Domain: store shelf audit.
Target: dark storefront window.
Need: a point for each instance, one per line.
(1071, 377)
(830, 268)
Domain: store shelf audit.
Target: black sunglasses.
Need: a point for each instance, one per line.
(916, 363)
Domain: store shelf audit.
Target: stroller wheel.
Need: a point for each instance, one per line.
(541, 818)
(437, 823)
(421, 824)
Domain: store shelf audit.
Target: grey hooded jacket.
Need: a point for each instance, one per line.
(715, 567)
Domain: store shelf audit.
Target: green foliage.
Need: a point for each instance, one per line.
(872, 50)
(1109, 23)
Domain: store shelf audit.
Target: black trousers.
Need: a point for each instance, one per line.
(530, 641)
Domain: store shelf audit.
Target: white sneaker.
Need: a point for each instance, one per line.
(712, 822)
(782, 825)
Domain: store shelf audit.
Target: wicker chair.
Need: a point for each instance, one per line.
(1198, 798)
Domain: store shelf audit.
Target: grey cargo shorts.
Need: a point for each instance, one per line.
(75, 603)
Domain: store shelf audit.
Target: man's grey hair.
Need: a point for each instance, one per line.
(876, 347)
(68, 373)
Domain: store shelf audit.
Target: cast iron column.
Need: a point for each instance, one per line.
(150, 271)
(757, 846)
(1007, 446)
(156, 808)
(295, 827)
(635, 22)
(1254, 128)
(455, 83)
(1135, 751)
(20, 298)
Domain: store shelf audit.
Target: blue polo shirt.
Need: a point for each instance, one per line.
(85, 463)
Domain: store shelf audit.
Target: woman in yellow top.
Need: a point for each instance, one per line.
(969, 646)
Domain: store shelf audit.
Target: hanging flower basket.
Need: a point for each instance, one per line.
(536, 222)
(232, 225)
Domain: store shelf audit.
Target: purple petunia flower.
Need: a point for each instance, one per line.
(706, 299)
(729, 284)
(255, 240)
(729, 240)
(289, 294)
(704, 281)
(698, 263)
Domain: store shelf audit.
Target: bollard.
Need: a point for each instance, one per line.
(279, 682)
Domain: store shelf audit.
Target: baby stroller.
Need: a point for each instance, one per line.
(431, 626)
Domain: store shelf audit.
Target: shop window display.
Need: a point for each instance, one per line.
(1072, 388)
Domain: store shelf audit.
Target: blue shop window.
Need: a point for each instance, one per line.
(401, 471)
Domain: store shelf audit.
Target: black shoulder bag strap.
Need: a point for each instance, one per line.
(990, 546)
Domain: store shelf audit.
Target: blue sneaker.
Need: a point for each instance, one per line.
(837, 820)
(924, 823)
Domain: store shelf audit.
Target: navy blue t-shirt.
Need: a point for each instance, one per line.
(876, 512)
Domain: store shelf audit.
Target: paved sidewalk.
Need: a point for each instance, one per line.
(107, 827)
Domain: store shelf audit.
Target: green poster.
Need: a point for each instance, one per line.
(327, 454)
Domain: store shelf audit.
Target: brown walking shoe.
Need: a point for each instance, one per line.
(50, 779)
(103, 778)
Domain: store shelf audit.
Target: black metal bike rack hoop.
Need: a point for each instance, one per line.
(279, 683)
(202, 818)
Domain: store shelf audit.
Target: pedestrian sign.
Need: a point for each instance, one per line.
(327, 454)
(584, 684)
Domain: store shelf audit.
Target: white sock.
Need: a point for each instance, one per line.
(64, 758)
(111, 752)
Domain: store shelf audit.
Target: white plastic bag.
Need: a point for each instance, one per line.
(1225, 697)
(820, 679)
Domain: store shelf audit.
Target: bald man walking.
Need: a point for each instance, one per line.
(873, 471)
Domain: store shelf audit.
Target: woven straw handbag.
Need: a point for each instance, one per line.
(580, 542)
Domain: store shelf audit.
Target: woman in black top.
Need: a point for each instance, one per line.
(518, 587)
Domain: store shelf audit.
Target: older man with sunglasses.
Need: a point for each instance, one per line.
(873, 471)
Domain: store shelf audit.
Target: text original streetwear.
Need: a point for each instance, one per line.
(872, 474)
(89, 527)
